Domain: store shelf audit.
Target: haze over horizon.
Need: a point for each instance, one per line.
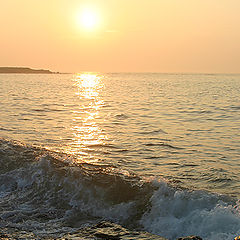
(121, 36)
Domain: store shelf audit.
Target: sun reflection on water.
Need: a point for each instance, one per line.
(88, 85)
(88, 136)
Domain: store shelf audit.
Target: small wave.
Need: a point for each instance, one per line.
(196, 111)
(161, 145)
(221, 180)
(121, 116)
(122, 150)
(236, 107)
(6, 129)
(47, 110)
(101, 145)
(153, 132)
(190, 165)
(199, 130)
(153, 157)
(97, 151)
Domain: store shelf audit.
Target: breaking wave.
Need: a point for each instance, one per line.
(50, 193)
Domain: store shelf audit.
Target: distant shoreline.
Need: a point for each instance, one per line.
(25, 70)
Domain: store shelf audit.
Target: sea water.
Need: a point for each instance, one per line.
(153, 152)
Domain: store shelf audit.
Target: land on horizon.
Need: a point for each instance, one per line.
(25, 70)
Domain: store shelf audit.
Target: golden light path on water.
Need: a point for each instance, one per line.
(87, 135)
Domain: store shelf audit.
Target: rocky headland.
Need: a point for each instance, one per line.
(25, 70)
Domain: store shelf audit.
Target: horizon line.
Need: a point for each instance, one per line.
(127, 72)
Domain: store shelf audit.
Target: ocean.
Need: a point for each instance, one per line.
(150, 152)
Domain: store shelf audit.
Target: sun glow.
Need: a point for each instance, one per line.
(86, 130)
(89, 85)
(88, 19)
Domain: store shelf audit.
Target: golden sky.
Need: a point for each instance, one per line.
(121, 35)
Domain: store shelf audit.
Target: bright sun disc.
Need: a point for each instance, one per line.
(88, 19)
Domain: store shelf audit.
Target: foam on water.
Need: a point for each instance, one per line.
(48, 194)
(178, 212)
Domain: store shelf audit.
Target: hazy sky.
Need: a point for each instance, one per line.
(128, 35)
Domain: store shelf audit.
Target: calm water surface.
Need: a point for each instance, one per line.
(178, 126)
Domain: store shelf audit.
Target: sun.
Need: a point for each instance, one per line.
(88, 19)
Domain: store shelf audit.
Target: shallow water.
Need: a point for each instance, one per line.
(169, 142)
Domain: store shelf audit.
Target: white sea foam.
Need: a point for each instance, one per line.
(175, 213)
